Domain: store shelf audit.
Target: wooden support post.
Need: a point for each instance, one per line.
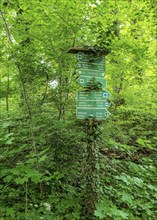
(91, 107)
(92, 172)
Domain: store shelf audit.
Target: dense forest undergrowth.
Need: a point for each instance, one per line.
(43, 147)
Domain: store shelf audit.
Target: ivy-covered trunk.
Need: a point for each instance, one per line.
(91, 171)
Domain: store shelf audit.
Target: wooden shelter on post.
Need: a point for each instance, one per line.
(89, 50)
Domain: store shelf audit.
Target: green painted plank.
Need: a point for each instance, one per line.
(91, 66)
(91, 72)
(90, 57)
(100, 114)
(88, 81)
(93, 95)
(93, 104)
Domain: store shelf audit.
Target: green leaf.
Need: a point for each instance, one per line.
(126, 197)
(137, 181)
(119, 213)
(6, 124)
(36, 178)
(8, 178)
(20, 180)
(99, 213)
(10, 212)
(125, 178)
(152, 187)
(9, 141)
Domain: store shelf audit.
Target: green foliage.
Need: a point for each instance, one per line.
(43, 149)
(130, 195)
